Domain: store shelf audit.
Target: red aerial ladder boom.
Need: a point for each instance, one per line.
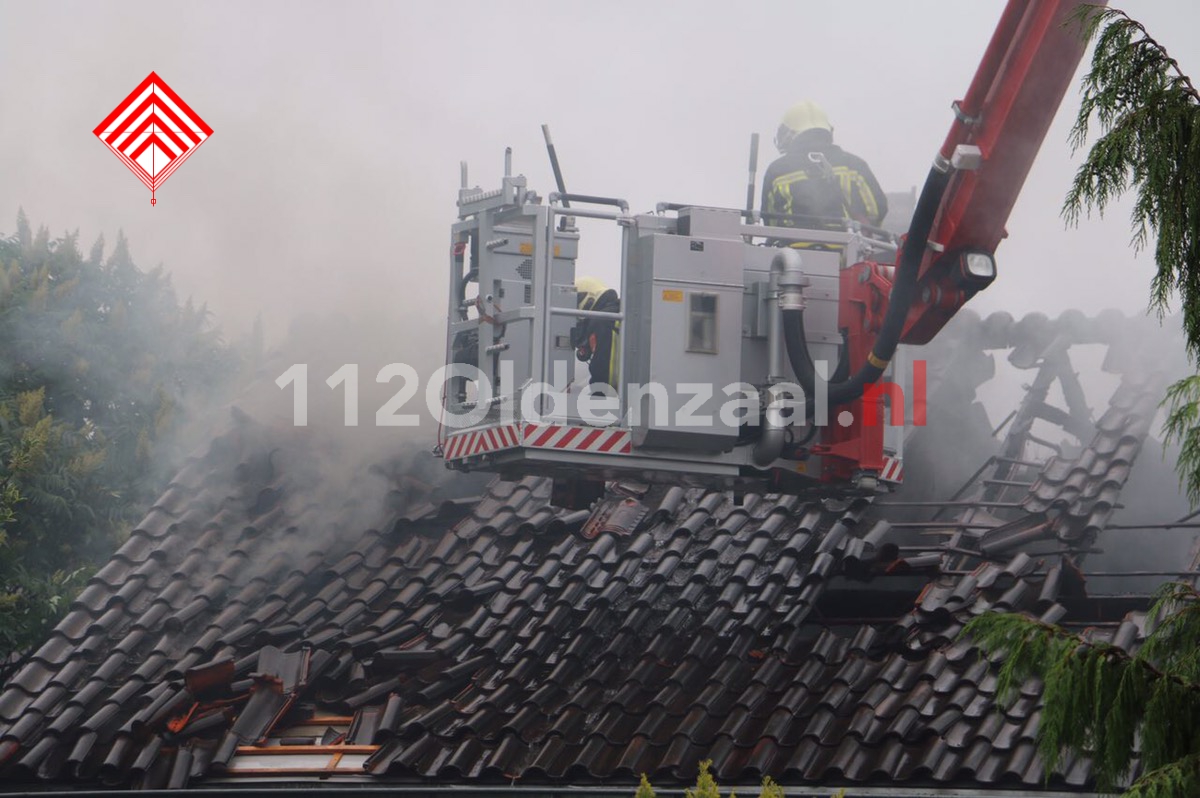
(948, 254)
(1006, 113)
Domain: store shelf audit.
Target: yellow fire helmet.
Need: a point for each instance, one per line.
(588, 290)
(802, 116)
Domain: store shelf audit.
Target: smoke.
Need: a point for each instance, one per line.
(985, 370)
(331, 176)
(353, 352)
(322, 203)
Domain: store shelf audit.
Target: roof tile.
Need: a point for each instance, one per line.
(505, 638)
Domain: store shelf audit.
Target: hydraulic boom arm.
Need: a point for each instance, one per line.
(948, 254)
(1017, 89)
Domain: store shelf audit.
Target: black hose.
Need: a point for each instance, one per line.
(797, 350)
(796, 345)
(904, 291)
(843, 367)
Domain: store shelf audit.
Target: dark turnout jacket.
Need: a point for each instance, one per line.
(795, 185)
(596, 340)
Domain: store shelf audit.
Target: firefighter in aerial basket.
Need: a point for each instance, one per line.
(814, 182)
(596, 340)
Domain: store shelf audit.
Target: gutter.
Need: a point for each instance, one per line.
(258, 788)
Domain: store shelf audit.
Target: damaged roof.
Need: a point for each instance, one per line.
(258, 624)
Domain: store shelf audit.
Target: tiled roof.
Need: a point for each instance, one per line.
(256, 610)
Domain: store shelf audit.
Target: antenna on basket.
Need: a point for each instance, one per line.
(558, 178)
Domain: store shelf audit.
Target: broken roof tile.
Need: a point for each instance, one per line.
(505, 638)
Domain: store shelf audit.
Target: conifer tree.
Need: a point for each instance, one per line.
(100, 369)
(1147, 111)
(1132, 713)
(1100, 700)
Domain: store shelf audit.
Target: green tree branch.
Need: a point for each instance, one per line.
(1103, 701)
(1147, 111)
(99, 368)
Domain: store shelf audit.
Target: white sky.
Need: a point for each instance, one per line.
(330, 179)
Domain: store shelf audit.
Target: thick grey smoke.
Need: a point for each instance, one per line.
(974, 386)
(331, 176)
(322, 202)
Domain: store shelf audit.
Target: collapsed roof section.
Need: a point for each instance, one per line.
(268, 621)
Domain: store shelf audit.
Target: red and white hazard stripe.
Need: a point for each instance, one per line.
(603, 440)
(481, 441)
(560, 437)
(893, 470)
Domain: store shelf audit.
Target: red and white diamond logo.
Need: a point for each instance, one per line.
(153, 131)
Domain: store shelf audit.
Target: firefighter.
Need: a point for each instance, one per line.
(815, 177)
(596, 340)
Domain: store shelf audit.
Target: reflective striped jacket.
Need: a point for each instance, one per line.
(796, 186)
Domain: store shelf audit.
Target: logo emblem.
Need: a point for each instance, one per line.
(153, 131)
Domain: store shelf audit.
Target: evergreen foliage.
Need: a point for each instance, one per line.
(1182, 427)
(1122, 709)
(706, 787)
(99, 365)
(770, 789)
(1147, 112)
(1132, 713)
